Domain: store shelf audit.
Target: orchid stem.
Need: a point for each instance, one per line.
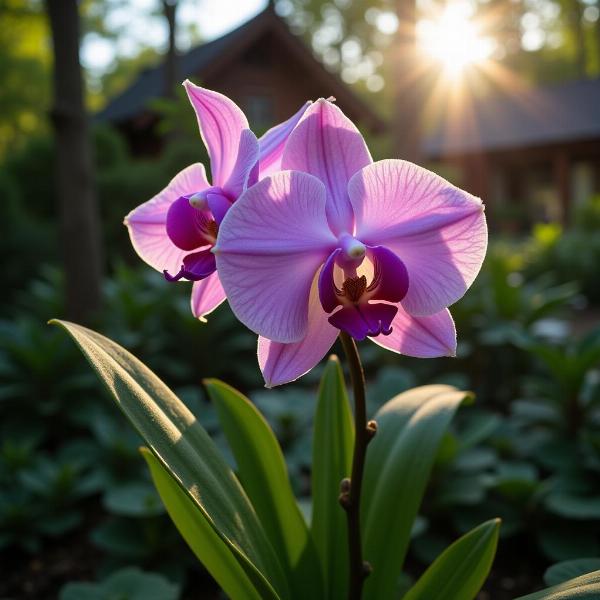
(351, 489)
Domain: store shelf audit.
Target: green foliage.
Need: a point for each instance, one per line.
(25, 73)
(206, 544)
(333, 442)
(252, 538)
(586, 587)
(410, 427)
(461, 570)
(126, 584)
(574, 255)
(570, 569)
(180, 443)
(262, 471)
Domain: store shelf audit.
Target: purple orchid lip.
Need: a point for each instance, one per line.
(366, 320)
(196, 266)
(190, 228)
(193, 224)
(358, 316)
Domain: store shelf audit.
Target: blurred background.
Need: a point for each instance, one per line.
(500, 96)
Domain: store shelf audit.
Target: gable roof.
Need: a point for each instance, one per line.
(210, 57)
(532, 116)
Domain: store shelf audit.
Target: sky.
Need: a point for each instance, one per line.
(212, 17)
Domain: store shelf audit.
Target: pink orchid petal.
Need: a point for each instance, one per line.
(421, 337)
(326, 144)
(218, 205)
(282, 363)
(147, 222)
(245, 167)
(270, 246)
(272, 143)
(207, 294)
(436, 229)
(232, 147)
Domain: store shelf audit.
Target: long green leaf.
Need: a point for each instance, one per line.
(569, 569)
(586, 587)
(461, 570)
(332, 461)
(200, 536)
(399, 461)
(184, 448)
(263, 472)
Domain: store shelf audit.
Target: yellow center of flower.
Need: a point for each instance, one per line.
(354, 287)
(211, 230)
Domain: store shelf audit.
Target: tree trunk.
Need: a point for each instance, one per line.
(575, 19)
(409, 93)
(78, 209)
(171, 75)
(597, 30)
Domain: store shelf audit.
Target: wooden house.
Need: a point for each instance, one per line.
(533, 153)
(266, 69)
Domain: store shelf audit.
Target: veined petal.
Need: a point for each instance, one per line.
(282, 363)
(437, 230)
(271, 244)
(245, 166)
(326, 144)
(207, 294)
(421, 337)
(272, 143)
(147, 222)
(232, 147)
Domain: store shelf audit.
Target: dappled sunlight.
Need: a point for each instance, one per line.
(454, 38)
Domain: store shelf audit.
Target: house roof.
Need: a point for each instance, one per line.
(529, 117)
(211, 56)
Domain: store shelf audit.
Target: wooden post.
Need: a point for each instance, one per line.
(562, 180)
(171, 75)
(78, 210)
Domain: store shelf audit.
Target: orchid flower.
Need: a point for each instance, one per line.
(175, 231)
(336, 243)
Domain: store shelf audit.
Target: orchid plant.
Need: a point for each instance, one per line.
(310, 241)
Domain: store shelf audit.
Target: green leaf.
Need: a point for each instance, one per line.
(133, 500)
(184, 448)
(332, 461)
(569, 569)
(263, 472)
(127, 584)
(399, 461)
(586, 587)
(210, 549)
(461, 570)
(573, 507)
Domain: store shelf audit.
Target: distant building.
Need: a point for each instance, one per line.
(532, 153)
(266, 69)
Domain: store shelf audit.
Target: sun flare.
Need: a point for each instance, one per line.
(453, 39)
